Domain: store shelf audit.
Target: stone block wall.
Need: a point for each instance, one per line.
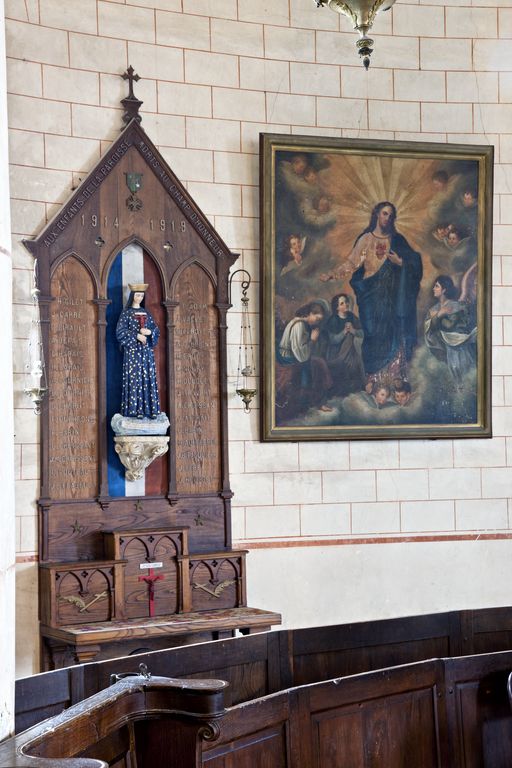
(354, 529)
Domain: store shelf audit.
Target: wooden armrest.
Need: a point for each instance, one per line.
(131, 700)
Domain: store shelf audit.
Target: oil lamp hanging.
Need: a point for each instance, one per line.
(362, 14)
(246, 367)
(36, 385)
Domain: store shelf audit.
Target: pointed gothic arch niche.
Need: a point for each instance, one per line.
(73, 371)
(133, 264)
(197, 383)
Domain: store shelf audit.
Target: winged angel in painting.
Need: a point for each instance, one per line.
(375, 289)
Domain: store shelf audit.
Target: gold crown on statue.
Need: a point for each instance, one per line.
(138, 287)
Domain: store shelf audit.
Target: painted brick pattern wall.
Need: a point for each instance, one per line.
(216, 73)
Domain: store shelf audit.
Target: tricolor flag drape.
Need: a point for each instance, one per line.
(133, 265)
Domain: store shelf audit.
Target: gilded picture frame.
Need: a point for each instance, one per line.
(376, 289)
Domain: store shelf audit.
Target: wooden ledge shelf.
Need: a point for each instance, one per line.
(74, 643)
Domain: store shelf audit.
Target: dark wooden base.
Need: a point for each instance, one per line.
(436, 713)
(80, 643)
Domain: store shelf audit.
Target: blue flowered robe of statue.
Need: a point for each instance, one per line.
(140, 389)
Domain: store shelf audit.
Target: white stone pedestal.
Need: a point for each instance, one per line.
(137, 452)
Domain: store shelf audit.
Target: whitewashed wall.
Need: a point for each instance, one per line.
(7, 508)
(338, 531)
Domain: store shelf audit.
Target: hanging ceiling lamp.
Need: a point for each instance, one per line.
(362, 13)
(246, 366)
(36, 385)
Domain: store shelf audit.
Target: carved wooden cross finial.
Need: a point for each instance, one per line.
(131, 77)
(131, 104)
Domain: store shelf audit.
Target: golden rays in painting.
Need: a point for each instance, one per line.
(356, 183)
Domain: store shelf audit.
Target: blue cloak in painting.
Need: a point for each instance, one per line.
(139, 397)
(387, 306)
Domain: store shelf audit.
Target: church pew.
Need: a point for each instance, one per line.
(265, 663)
(442, 713)
(379, 719)
(438, 713)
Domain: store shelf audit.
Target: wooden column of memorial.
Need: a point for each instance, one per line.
(135, 559)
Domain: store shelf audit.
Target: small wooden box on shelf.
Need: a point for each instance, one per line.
(82, 592)
(217, 580)
(156, 574)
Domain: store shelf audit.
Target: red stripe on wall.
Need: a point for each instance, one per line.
(279, 544)
(341, 542)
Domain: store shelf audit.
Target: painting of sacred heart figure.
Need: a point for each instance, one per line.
(376, 288)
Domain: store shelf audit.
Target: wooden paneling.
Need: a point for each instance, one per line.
(264, 749)
(379, 733)
(252, 736)
(42, 696)
(217, 581)
(378, 720)
(153, 585)
(76, 533)
(197, 384)
(246, 663)
(117, 749)
(162, 589)
(102, 240)
(441, 713)
(81, 592)
(397, 715)
(490, 630)
(478, 710)
(339, 739)
(157, 474)
(322, 653)
(73, 373)
(262, 664)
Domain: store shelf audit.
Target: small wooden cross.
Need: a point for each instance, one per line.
(131, 104)
(132, 78)
(150, 580)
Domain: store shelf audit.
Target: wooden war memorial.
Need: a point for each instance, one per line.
(135, 524)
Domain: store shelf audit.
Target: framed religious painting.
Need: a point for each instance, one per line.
(376, 280)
